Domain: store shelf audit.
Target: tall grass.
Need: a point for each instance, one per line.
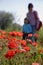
(41, 35)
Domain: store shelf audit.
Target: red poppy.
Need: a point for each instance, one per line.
(15, 39)
(19, 41)
(3, 32)
(35, 64)
(20, 34)
(14, 33)
(30, 35)
(12, 45)
(0, 37)
(8, 38)
(23, 42)
(16, 51)
(36, 35)
(10, 54)
(10, 33)
(3, 36)
(40, 51)
(27, 48)
(34, 43)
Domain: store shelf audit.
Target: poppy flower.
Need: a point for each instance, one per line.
(36, 35)
(3, 32)
(14, 33)
(19, 41)
(10, 33)
(10, 54)
(16, 51)
(15, 39)
(27, 48)
(34, 43)
(12, 45)
(35, 64)
(8, 38)
(20, 34)
(3, 36)
(40, 51)
(30, 35)
(0, 37)
(23, 42)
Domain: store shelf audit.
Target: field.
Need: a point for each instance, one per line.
(15, 51)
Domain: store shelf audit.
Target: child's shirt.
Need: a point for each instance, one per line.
(27, 28)
(31, 17)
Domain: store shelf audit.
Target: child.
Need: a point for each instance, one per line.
(26, 29)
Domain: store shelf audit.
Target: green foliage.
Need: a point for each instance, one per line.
(41, 35)
(6, 19)
(14, 27)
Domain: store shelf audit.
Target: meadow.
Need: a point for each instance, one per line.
(15, 51)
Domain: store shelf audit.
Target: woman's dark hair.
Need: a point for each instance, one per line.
(30, 5)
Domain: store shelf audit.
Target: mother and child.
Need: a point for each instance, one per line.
(32, 23)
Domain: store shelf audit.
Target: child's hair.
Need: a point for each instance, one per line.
(26, 22)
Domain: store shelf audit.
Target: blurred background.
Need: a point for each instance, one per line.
(13, 12)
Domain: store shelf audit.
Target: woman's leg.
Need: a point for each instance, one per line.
(33, 29)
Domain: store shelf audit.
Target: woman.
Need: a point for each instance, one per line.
(33, 17)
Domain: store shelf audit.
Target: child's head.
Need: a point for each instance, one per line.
(30, 7)
(26, 21)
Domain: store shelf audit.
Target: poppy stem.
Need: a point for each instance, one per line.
(10, 62)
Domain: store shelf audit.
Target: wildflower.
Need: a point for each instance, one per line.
(10, 54)
(34, 43)
(20, 34)
(0, 37)
(35, 63)
(36, 35)
(3, 32)
(16, 51)
(27, 48)
(23, 42)
(14, 33)
(30, 35)
(12, 45)
(10, 33)
(40, 51)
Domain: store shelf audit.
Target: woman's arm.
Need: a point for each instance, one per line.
(36, 15)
